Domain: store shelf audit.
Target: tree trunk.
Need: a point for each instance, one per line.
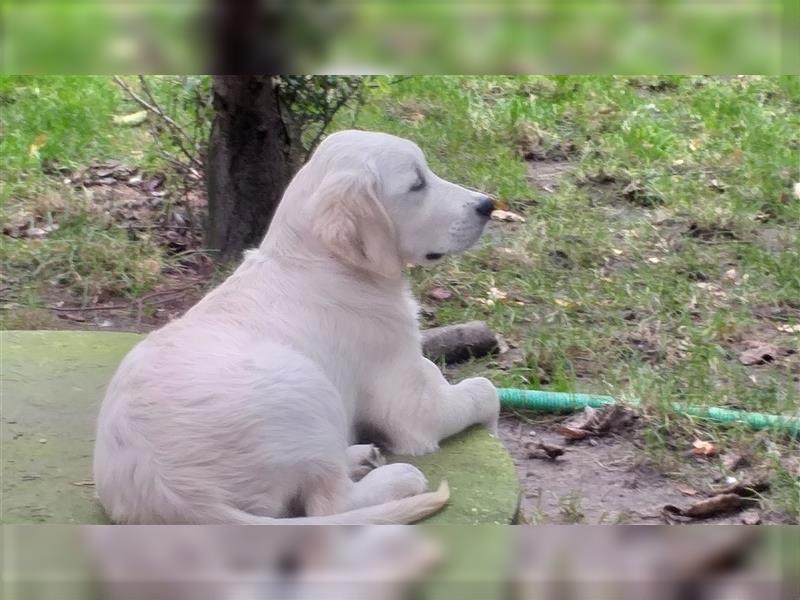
(248, 164)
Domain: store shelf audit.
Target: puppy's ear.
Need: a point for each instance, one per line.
(353, 225)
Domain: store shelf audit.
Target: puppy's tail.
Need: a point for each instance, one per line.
(395, 512)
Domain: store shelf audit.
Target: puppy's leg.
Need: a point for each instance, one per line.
(432, 409)
(389, 482)
(363, 458)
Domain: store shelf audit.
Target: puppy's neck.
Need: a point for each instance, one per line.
(301, 250)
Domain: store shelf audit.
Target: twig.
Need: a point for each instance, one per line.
(394, 81)
(178, 134)
(164, 292)
(164, 226)
(327, 120)
(150, 298)
(79, 309)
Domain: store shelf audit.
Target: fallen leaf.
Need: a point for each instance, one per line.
(507, 216)
(79, 318)
(502, 345)
(796, 189)
(653, 260)
(631, 188)
(510, 359)
(84, 483)
(544, 450)
(751, 517)
(786, 328)
(703, 448)
(38, 142)
(730, 275)
(760, 354)
(496, 294)
(749, 489)
(597, 421)
(709, 507)
(718, 185)
(571, 432)
(131, 119)
(686, 490)
(440, 293)
(732, 460)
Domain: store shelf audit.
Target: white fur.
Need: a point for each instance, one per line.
(249, 402)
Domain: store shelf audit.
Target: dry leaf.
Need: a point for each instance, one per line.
(703, 448)
(571, 432)
(686, 490)
(653, 260)
(718, 185)
(786, 328)
(496, 294)
(730, 275)
(440, 293)
(721, 503)
(740, 488)
(751, 517)
(797, 190)
(732, 460)
(597, 421)
(507, 215)
(132, 119)
(33, 150)
(758, 355)
(84, 483)
(542, 449)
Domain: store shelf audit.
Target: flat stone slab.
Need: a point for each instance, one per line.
(53, 382)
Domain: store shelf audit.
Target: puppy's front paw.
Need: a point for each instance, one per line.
(486, 400)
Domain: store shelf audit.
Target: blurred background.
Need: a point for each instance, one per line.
(400, 563)
(391, 36)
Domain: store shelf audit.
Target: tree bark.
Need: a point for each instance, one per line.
(248, 165)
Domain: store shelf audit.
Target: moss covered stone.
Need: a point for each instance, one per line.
(53, 382)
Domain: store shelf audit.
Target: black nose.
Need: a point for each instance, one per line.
(485, 206)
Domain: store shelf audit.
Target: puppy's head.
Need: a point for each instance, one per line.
(378, 206)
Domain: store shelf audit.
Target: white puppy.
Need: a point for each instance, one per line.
(250, 407)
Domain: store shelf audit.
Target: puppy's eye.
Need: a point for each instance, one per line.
(420, 184)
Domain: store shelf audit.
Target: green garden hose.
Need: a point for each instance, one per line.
(543, 401)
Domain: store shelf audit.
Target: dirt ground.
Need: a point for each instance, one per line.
(606, 480)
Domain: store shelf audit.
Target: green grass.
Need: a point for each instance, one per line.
(627, 293)
(52, 127)
(670, 241)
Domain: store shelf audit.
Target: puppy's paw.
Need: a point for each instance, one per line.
(487, 402)
(406, 480)
(363, 458)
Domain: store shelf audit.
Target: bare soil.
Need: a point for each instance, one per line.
(606, 480)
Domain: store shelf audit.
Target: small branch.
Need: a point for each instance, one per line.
(176, 227)
(179, 136)
(327, 120)
(87, 308)
(170, 295)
